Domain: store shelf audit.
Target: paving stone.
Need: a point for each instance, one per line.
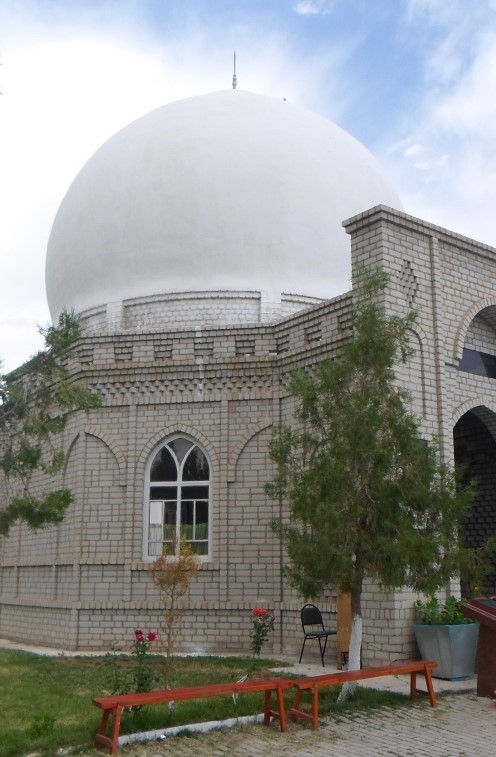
(462, 725)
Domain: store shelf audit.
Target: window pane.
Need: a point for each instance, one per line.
(187, 521)
(187, 513)
(180, 447)
(199, 547)
(163, 492)
(480, 363)
(155, 529)
(201, 530)
(170, 517)
(489, 364)
(155, 541)
(187, 532)
(201, 514)
(194, 520)
(194, 492)
(156, 514)
(471, 362)
(169, 532)
(196, 466)
(170, 513)
(163, 467)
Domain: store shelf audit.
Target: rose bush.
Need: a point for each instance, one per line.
(262, 626)
(143, 675)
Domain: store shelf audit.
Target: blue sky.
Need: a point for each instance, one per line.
(414, 80)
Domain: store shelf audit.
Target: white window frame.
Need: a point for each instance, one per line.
(157, 507)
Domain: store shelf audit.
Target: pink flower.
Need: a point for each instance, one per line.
(139, 635)
(151, 636)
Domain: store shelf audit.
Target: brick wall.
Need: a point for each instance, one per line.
(85, 580)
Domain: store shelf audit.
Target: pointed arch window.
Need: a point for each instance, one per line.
(178, 494)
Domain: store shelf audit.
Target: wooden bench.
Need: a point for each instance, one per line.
(312, 684)
(113, 706)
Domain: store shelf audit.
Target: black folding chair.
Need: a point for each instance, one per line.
(313, 628)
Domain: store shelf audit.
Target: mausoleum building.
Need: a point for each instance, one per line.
(209, 249)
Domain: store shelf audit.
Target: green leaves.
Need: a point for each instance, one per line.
(35, 512)
(432, 613)
(36, 402)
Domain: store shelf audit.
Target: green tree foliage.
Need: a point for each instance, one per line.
(367, 495)
(36, 401)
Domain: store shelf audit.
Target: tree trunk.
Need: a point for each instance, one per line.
(355, 653)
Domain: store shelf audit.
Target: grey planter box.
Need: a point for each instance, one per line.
(454, 648)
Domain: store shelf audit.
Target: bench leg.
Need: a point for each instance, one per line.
(112, 741)
(283, 721)
(428, 682)
(313, 715)
(101, 739)
(413, 684)
(315, 709)
(297, 701)
(267, 707)
(116, 730)
(430, 687)
(280, 713)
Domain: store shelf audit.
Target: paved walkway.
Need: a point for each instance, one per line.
(462, 725)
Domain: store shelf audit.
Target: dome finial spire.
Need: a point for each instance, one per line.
(234, 81)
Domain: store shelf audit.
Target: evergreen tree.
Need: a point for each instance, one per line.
(368, 497)
(36, 401)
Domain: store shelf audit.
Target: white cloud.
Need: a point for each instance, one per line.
(469, 106)
(412, 150)
(313, 7)
(442, 12)
(429, 164)
(451, 180)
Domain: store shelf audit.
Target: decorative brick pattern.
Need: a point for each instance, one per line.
(409, 283)
(313, 332)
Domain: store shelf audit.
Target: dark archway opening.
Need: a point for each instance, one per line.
(475, 457)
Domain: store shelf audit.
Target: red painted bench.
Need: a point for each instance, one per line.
(313, 684)
(113, 706)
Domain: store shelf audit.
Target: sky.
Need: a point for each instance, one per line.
(414, 80)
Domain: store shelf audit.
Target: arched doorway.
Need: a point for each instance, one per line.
(474, 438)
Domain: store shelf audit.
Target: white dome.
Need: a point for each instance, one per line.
(224, 192)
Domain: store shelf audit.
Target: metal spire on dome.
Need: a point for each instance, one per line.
(234, 81)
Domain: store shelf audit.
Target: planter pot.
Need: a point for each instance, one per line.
(454, 648)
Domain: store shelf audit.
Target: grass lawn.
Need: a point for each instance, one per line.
(45, 702)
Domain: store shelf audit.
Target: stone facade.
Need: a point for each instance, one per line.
(84, 584)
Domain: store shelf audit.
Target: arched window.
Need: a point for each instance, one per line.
(479, 349)
(178, 493)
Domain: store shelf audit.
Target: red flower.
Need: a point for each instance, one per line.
(151, 636)
(259, 611)
(139, 635)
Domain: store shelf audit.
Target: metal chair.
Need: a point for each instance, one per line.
(313, 628)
